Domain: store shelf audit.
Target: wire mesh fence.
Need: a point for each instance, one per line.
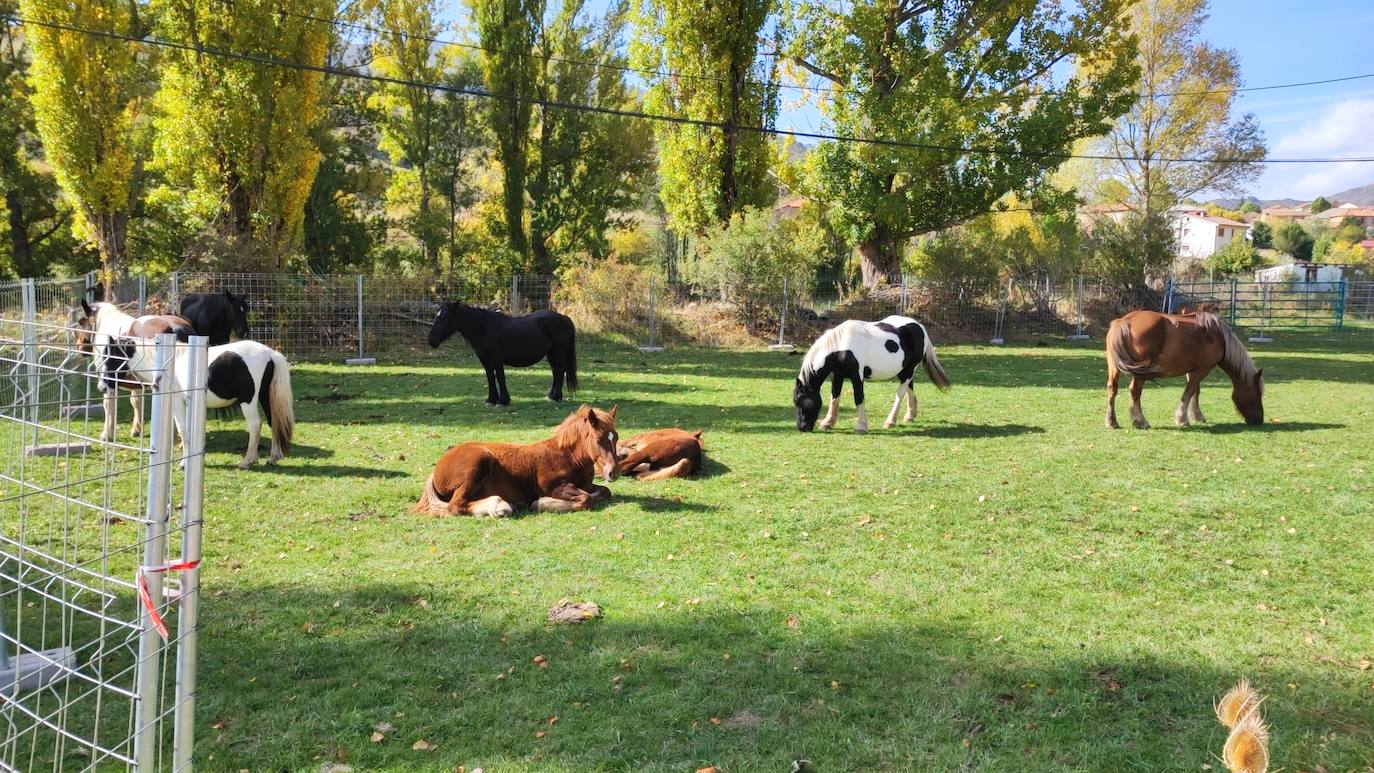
(97, 623)
(313, 317)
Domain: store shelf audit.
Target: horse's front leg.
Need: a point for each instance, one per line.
(566, 498)
(832, 413)
(1137, 414)
(501, 383)
(860, 423)
(493, 396)
(110, 402)
(1181, 412)
(910, 401)
(254, 419)
(1197, 390)
(136, 402)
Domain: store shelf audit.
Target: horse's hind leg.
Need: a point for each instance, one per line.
(1113, 376)
(501, 384)
(493, 396)
(1137, 415)
(861, 423)
(558, 361)
(1190, 389)
(910, 402)
(254, 419)
(1197, 390)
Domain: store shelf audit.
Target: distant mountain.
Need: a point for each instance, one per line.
(1363, 196)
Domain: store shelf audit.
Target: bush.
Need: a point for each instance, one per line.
(1237, 257)
(748, 259)
(607, 296)
(1293, 240)
(1261, 235)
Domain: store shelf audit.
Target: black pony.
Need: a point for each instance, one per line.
(500, 340)
(216, 315)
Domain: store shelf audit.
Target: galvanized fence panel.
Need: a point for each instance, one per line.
(1265, 306)
(87, 681)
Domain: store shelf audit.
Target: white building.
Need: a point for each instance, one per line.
(1200, 234)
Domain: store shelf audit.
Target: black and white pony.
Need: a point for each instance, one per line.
(216, 315)
(500, 340)
(248, 374)
(859, 352)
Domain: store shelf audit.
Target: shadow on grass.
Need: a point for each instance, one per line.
(1265, 428)
(973, 431)
(290, 676)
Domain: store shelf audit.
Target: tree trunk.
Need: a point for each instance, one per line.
(881, 260)
(729, 188)
(19, 234)
(111, 239)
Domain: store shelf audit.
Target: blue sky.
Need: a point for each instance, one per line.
(1278, 41)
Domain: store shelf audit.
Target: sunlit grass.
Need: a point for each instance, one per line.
(1002, 585)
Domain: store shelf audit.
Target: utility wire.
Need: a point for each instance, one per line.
(766, 84)
(674, 119)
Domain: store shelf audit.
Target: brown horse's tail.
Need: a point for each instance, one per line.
(430, 501)
(1119, 349)
(934, 370)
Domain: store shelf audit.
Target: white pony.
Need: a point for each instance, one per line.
(248, 374)
(865, 351)
(98, 327)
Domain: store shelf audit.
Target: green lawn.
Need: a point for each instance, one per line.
(1003, 585)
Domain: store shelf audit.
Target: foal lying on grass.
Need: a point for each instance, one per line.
(554, 474)
(661, 453)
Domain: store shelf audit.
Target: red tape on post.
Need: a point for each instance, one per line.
(147, 597)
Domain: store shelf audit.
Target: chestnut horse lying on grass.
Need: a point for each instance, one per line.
(662, 453)
(551, 475)
(1148, 345)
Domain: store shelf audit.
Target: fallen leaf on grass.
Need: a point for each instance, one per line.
(715, 720)
(567, 613)
(423, 746)
(708, 769)
(1365, 664)
(540, 734)
(382, 727)
(541, 661)
(792, 621)
(377, 737)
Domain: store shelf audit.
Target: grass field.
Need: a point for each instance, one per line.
(1002, 586)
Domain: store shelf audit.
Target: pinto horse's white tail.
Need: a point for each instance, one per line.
(934, 370)
(281, 412)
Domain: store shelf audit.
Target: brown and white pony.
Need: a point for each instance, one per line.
(661, 453)
(552, 475)
(97, 328)
(1148, 345)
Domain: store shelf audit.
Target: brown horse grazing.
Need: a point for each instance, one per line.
(553, 475)
(1149, 345)
(662, 453)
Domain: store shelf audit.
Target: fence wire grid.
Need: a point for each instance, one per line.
(87, 524)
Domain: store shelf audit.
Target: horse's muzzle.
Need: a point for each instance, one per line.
(610, 472)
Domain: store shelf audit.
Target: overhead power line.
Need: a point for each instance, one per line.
(674, 119)
(766, 84)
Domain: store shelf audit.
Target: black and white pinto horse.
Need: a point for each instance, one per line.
(865, 351)
(500, 340)
(248, 374)
(216, 315)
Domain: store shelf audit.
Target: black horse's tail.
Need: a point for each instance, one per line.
(572, 362)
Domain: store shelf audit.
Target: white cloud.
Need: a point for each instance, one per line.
(1342, 130)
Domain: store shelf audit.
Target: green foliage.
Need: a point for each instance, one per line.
(1187, 115)
(1249, 207)
(607, 296)
(1292, 240)
(508, 31)
(748, 258)
(954, 74)
(1131, 252)
(977, 254)
(237, 135)
(88, 96)
(706, 54)
(1237, 257)
(1261, 234)
(1319, 205)
(1331, 245)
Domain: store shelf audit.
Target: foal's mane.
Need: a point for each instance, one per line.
(575, 429)
(1235, 360)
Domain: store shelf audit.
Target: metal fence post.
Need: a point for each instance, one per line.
(29, 298)
(514, 292)
(1340, 304)
(142, 294)
(782, 344)
(361, 359)
(652, 345)
(1166, 306)
(172, 301)
(902, 311)
(1233, 301)
(193, 495)
(150, 644)
(1264, 317)
(1078, 335)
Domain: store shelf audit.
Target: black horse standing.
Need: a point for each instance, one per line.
(216, 315)
(500, 340)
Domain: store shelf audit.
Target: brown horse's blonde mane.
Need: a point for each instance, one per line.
(578, 428)
(1236, 361)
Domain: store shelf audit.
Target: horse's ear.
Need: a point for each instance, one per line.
(1259, 374)
(614, 408)
(87, 307)
(228, 294)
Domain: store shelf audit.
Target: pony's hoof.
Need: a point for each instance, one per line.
(490, 404)
(245, 464)
(889, 424)
(1112, 424)
(861, 430)
(1140, 424)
